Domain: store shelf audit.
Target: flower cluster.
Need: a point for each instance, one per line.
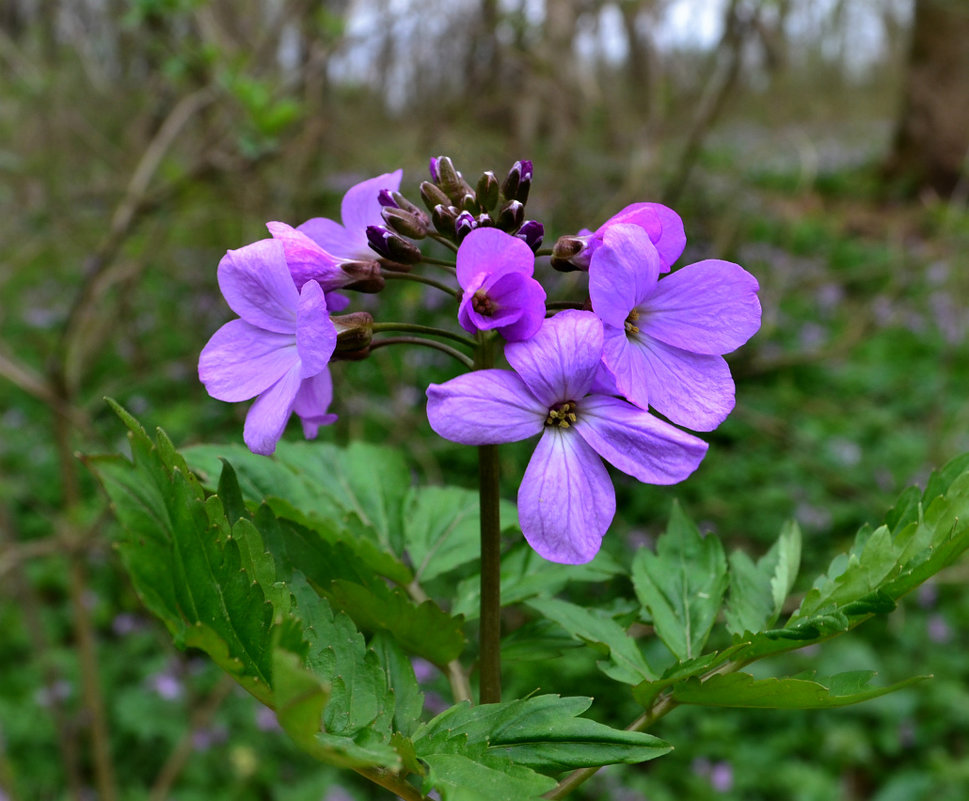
(587, 374)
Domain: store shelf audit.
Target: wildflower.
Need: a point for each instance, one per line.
(566, 500)
(661, 224)
(278, 349)
(495, 271)
(665, 340)
(360, 207)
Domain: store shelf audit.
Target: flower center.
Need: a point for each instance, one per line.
(561, 415)
(482, 304)
(631, 327)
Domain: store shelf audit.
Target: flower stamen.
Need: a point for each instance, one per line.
(561, 415)
(482, 304)
(631, 327)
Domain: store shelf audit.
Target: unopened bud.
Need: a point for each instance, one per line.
(353, 331)
(518, 181)
(511, 216)
(443, 219)
(363, 276)
(403, 203)
(450, 180)
(569, 253)
(432, 196)
(469, 203)
(531, 232)
(464, 224)
(435, 174)
(406, 223)
(487, 191)
(389, 245)
(386, 199)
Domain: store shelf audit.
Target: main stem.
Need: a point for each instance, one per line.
(488, 499)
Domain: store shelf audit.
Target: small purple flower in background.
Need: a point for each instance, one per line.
(166, 685)
(266, 719)
(360, 207)
(665, 340)
(566, 500)
(495, 271)
(278, 349)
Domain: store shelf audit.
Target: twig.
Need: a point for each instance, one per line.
(180, 755)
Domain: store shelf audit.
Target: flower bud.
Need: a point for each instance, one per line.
(531, 232)
(487, 191)
(353, 331)
(403, 203)
(433, 196)
(432, 168)
(389, 245)
(363, 276)
(511, 216)
(469, 203)
(443, 219)
(464, 224)
(569, 253)
(406, 223)
(386, 199)
(518, 182)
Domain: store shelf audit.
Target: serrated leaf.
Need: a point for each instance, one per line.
(401, 683)
(743, 690)
(460, 778)
(758, 592)
(682, 585)
(442, 529)
(524, 575)
(625, 662)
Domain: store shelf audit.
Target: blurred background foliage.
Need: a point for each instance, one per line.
(820, 144)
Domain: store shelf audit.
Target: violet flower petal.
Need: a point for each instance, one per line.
(484, 407)
(636, 442)
(709, 307)
(503, 291)
(256, 284)
(690, 389)
(566, 500)
(335, 239)
(268, 416)
(315, 332)
(312, 400)
(663, 225)
(240, 360)
(622, 273)
(307, 261)
(530, 298)
(560, 361)
(493, 251)
(361, 205)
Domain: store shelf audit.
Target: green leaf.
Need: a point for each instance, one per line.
(401, 683)
(682, 584)
(461, 778)
(758, 592)
(625, 662)
(524, 575)
(442, 529)
(743, 690)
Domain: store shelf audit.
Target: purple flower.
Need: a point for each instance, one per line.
(360, 208)
(495, 271)
(277, 350)
(566, 500)
(665, 340)
(662, 225)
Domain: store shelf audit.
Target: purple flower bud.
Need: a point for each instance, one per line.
(570, 253)
(464, 224)
(390, 246)
(435, 175)
(433, 196)
(443, 219)
(386, 199)
(487, 191)
(363, 276)
(406, 223)
(518, 181)
(532, 232)
(353, 331)
(511, 216)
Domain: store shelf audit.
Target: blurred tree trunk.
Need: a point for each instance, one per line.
(932, 130)
(639, 60)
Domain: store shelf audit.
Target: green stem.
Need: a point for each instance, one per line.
(415, 328)
(449, 265)
(421, 279)
(488, 500)
(427, 343)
